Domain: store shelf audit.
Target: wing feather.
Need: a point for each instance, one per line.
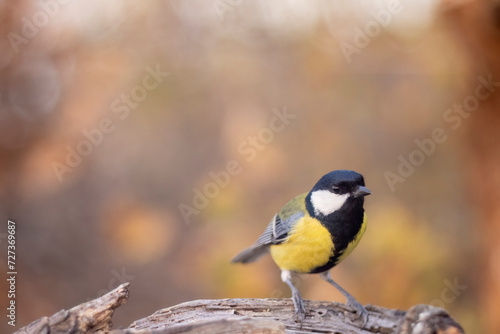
(277, 230)
(282, 223)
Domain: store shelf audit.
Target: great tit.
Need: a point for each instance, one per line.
(314, 232)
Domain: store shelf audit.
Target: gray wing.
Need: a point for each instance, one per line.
(275, 233)
(278, 229)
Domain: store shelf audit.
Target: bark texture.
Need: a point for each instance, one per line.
(249, 316)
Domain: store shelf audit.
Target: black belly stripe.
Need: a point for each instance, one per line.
(343, 225)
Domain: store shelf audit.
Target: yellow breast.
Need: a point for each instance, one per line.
(309, 246)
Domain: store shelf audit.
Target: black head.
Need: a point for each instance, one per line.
(336, 189)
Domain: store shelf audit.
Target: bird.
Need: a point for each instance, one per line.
(314, 232)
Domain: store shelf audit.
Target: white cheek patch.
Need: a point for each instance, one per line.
(326, 202)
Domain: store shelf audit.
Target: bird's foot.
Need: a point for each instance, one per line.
(360, 310)
(299, 317)
(300, 310)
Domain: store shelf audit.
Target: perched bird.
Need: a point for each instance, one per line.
(314, 232)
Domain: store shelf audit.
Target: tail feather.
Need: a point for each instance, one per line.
(251, 254)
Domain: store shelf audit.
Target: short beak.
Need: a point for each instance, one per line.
(361, 191)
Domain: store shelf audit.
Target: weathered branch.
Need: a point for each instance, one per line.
(88, 317)
(255, 316)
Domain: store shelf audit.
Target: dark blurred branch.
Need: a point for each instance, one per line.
(244, 316)
(477, 25)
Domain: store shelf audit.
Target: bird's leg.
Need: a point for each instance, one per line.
(300, 311)
(350, 299)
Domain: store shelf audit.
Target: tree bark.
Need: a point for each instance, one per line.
(89, 317)
(249, 316)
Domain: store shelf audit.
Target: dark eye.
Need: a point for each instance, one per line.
(336, 190)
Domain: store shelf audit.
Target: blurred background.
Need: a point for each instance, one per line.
(151, 141)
